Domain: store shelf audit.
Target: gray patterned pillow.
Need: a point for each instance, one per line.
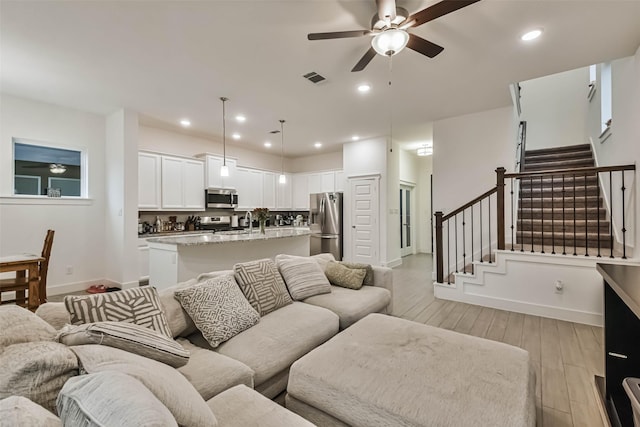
(262, 284)
(218, 308)
(129, 337)
(343, 276)
(137, 305)
(368, 278)
(304, 277)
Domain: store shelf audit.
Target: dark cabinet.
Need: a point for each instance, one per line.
(622, 337)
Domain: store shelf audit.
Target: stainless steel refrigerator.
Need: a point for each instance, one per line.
(325, 222)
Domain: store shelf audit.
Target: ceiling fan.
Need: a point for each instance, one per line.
(389, 28)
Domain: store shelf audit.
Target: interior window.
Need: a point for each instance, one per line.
(43, 170)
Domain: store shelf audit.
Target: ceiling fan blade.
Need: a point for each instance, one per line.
(423, 46)
(437, 10)
(386, 10)
(364, 61)
(337, 35)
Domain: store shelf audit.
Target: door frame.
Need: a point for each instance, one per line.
(348, 200)
(411, 187)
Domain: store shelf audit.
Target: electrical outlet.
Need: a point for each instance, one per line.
(559, 287)
(69, 269)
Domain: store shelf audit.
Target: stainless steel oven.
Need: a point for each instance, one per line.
(221, 198)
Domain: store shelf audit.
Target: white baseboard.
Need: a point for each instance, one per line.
(67, 288)
(394, 263)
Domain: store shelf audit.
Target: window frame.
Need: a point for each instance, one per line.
(84, 172)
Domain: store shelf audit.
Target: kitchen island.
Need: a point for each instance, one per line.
(175, 259)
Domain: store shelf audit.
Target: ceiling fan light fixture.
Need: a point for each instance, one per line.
(57, 168)
(390, 42)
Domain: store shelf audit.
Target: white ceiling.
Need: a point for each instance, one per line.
(174, 59)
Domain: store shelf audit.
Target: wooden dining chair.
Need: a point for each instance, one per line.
(20, 283)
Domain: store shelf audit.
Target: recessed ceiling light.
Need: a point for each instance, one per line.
(185, 122)
(235, 136)
(355, 138)
(267, 144)
(531, 35)
(318, 144)
(364, 88)
(240, 118)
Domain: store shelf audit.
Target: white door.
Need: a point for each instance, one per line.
(365, 212)
(406, 226)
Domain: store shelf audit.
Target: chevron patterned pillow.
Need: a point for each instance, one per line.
(261, 283)
(218, 308)
(137, 305)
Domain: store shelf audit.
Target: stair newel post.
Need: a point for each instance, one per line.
(500, 205)
(624, 227)
(611, 214)
(439, 248)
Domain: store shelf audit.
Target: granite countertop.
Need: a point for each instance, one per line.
(232, 236)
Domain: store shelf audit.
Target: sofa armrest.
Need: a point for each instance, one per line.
(383, 278)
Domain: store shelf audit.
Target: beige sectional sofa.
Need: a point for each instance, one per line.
(261, 356)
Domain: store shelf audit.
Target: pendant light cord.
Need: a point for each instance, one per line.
(224, 131)
(282, 146)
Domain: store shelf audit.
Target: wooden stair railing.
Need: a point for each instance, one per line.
(570, 200)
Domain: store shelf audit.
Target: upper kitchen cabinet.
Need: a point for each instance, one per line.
(149, 181)
(284, 200)
(250, 188)
(269, 183)
(300, 191)
(339, 181)
(214, 180)
(193, 185)
(181, 184)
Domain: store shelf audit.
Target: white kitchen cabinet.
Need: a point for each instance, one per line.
(269, 184)
(257, 188)
(149, 179)
(284, 200)
(339, 181)
(193, 192)
(327, 182)
(214, 180)
(182, 183)
(314, 183)
(300, 191)
(143, 259)
(250, 188)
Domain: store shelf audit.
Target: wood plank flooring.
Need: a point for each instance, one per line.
(565, 355)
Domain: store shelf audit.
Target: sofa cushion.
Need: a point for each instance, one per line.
(240, 406)
(368, 278)
(352, 305)
(321, 259)
(262, 284)
(212, 373)
(20, 411)
(19, 325)
(218, 308)
(129, 337)
(304, 277)
(345, 277)
(281, 338)
(110, 399)
(136, 305)
(166, 383)
(37, 371)
(55, 314)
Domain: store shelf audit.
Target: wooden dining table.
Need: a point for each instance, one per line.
(25, 265)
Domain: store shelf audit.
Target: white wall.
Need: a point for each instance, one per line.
(425, 169)
(79, 238)
(466, 152)
(555, 109)
(356, 163)
(317, 162)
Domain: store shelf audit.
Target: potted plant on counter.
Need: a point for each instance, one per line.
(261, 214)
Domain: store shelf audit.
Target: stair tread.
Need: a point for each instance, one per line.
(562, 149)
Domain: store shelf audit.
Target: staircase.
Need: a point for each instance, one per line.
(564, 211)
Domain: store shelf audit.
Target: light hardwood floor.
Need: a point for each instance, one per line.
(565, 355)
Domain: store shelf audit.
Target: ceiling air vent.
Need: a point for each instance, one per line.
(314, 77)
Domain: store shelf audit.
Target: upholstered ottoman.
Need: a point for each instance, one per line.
(385, 371)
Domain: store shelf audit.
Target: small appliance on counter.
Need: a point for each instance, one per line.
(217, 223)
(234, 221)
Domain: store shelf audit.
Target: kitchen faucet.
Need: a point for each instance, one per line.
(250, 219)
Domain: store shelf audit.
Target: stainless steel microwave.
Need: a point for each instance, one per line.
(221, 198)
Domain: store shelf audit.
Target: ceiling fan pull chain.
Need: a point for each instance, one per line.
(390, 104)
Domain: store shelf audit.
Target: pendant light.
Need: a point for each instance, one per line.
(283, 178)
(224, 169)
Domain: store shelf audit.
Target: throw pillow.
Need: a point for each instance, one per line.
(129, 337)
(345, 277)
(368, 278)
(137, 305)
(166, 383)
(110, 399)
(19, 325)
(20, 411)
(218, 308)
(304, 277)
(262, 284)
(37, 371)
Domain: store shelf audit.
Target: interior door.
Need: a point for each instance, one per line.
(364, 212)
(406, 226)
